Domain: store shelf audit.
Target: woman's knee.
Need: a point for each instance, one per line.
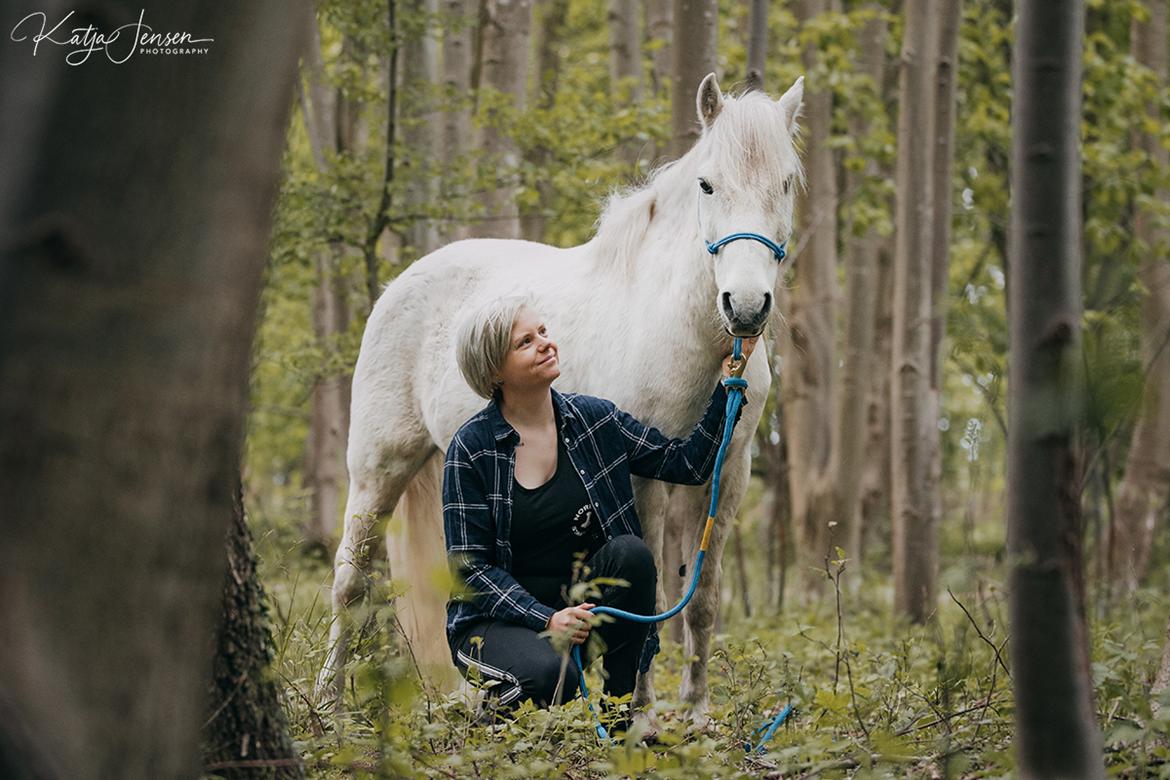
(631, 554)
(543, 676)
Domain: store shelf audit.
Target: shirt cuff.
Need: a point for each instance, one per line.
(538, 618)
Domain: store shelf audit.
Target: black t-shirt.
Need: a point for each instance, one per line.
(550, 525)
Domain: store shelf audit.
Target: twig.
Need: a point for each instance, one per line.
(982, 636)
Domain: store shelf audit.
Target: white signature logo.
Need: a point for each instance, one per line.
(136, 37)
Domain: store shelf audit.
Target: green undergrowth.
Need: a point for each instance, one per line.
(872, 698)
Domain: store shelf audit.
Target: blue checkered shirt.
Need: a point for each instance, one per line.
(605, 445)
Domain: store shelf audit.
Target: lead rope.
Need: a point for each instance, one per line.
(736, 386)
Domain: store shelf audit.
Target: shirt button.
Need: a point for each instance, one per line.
(582, 471)
(568, 442)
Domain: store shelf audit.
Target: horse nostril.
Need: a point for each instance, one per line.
(726, 300)
(767, 305)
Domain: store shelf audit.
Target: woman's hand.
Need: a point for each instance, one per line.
(574, 620)
(748, 345)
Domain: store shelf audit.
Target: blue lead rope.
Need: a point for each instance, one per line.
(736, 386)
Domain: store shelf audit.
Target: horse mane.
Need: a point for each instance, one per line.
(747, 143)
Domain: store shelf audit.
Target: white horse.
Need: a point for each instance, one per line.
(642, 314)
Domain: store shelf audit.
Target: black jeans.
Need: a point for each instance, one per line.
(525, 664)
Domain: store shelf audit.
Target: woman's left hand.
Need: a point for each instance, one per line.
(748, 345)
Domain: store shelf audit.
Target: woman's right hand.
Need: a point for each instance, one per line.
(574, 620)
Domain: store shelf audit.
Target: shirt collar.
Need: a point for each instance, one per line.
(502, 430)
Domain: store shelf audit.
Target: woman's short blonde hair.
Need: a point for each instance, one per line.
(483, 339)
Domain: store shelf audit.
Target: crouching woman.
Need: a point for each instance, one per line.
(534, 481)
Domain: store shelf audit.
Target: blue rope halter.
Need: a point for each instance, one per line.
(778, 250)
(736, 386)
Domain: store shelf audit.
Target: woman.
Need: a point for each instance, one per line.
(535, 479)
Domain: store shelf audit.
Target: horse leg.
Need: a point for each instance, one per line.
(373, 494)
(701, 612)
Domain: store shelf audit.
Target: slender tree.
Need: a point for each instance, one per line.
(625, 63)
(809, 342)
(1145, 490)
(455, 137)
(912, 505)
(131, 256)
(696, 28)
(506, 28)
(1056, 730)
(418, 117)
(757, 56)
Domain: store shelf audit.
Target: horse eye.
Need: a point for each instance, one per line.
(705, 186)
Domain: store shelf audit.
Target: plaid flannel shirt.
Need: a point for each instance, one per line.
(605, 445)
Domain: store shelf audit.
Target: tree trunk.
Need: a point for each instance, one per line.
(625, 66)
(809, 346)
(659, 32)
(696, 29)
(551, 31)
(912, 505)
(245, 735)
(420, 80)
(875, 520)
(330, 134)
(132, 246)
(458, 35)
(950, 16)
(848, 453)
(1056, 729)
(1145, 489)
(757, 49)
(506, 25)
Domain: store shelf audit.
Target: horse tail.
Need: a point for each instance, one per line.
(418, 557)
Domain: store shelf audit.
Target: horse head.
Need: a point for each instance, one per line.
(747, 171)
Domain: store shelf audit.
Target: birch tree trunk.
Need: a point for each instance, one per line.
(1144, 491)
(420, 79)
(809, 345)
(506, 27)
(458, 35)
(912, 505)
(696, 29)
(1056, 729)
(128, 295)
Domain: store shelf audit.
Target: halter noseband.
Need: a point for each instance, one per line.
(778, 250)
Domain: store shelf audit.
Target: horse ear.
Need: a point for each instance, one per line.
(790, 103)
(709, 101)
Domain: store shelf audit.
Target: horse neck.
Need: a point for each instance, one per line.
(660, 270)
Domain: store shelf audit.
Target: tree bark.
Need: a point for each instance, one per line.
(1056, 729)
(848, 453)
(950, 16)
(625, 66)
(455, 135)
(420, 80)
(695, 31)
(659, 32)
(912, 505)
(551, 32)
(324, 463)
(809, 346)
(506, 26)
(1145, 490)
(132, 246)
(245, 735)
(757, 50)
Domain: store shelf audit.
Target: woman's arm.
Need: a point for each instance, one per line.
(471, 544)
(688, 461)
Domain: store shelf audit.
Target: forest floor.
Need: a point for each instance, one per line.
(873, 698)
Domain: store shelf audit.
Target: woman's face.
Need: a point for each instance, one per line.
(532, 354)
